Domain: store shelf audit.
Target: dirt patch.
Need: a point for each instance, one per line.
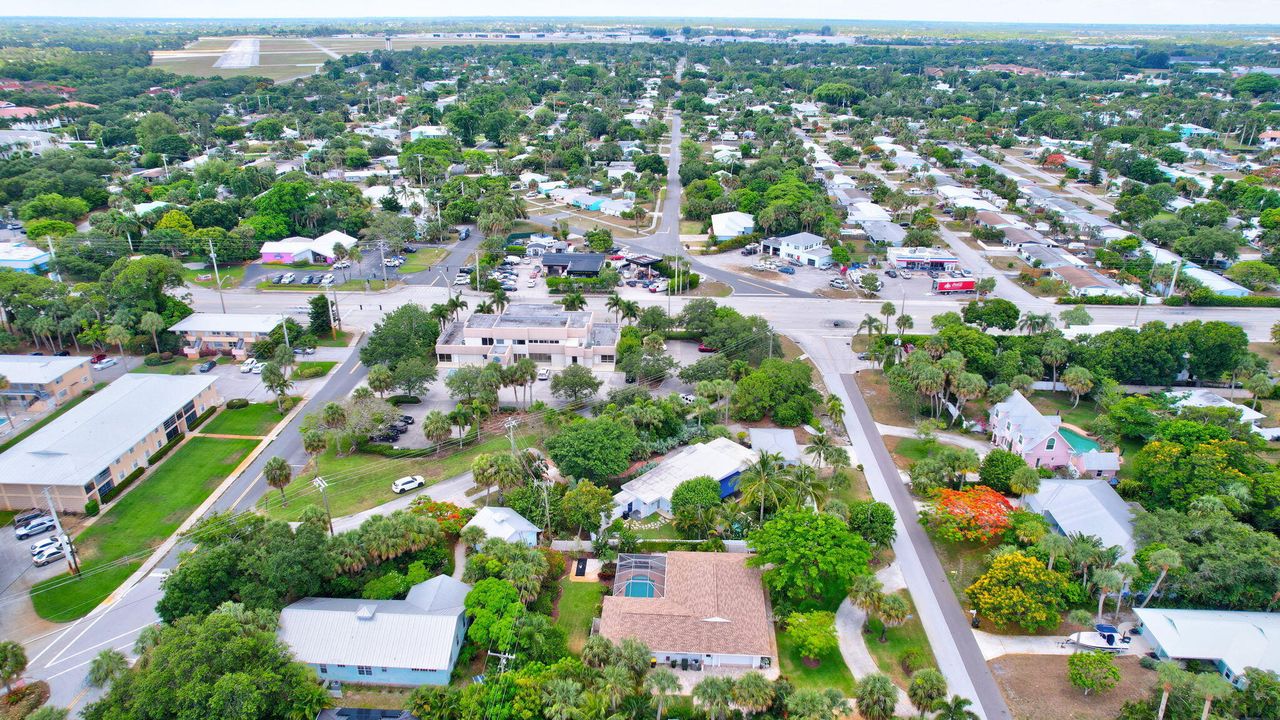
(1036, 687)
(710, 288)
(885, 407)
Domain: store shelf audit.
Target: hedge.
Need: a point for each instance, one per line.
(404, 400)
(158, 455)
(237, 403)
(1226, 301)
(128, 480)
(1101, 300)
(201, 418)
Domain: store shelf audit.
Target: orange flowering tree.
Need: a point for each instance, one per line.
(450, 517)
(976, 514)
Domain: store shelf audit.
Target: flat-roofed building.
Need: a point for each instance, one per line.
(38, 383)
(231, 334)
(922, 258)
(84, 453)
(547, 334)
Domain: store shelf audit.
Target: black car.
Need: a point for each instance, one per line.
(891, 273)
(410, 249)
(63, 353)
(407, 419)
(934, 274)
(206, 366)
(277, 279)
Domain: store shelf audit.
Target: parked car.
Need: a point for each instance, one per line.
(51, 555)
(531, 283)
(206, 366)
(104, 364)
(410, 249)
(306, 280)
(342, 265)
(839, 284)
(702, 348)
(405, 484)
(906, 275)
(407, 419)
(45, 544)
(98, 358)
(62, 353)
(247, 366)
(864, 356)
(966, 272)
(279, 278)
(891, 273)
(257, 368)
(787, 270)
(27, 516)
(40, 525)
(544, 373)
(287, 279)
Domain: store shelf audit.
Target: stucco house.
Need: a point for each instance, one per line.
(231, 334)
(805, 248)
(504, 524)
(299, 249)
(411, 642)
(1017, 426)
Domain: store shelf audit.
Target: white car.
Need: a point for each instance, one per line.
(461, 280)
(531, 283)
(327, 279)
(405, 484)
(45, 544)
(257, 368)
(109, 362)
(544, 373)
(341, 265)
(839, 284)
(287, 279)
(248, 365)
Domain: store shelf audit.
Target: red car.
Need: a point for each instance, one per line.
(705, 349)
(97, 358)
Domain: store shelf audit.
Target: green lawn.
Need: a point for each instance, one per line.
(359, 285)
(963, 563)
(665, 531)
(255, 420)
(313, 369)
(424, 259)
(913, 449)
(831, 671)
(343, 340)
(907, 637)
(181, 365)
(7, 516)
(579, 604)
(46, 420)
(231, 276)
(358, 482)
(1053, 403)
(114, 546)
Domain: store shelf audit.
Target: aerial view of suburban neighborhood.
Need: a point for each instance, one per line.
(689, 365)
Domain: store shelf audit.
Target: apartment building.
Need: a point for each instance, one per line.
(224, 333)
(545, 333)
(38, 383)
(85, 452)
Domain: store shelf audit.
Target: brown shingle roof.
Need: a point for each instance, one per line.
(713, 603)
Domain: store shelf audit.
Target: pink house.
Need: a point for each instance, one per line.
(1018, 427)
(321, 250)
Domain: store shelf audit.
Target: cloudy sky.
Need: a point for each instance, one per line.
(1183, 12)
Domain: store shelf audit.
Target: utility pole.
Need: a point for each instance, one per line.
(53, 255)
(335, 318)
(1138, 310)
(382, 254)
(72, 564)
(217, 279)
(511, 424)
(1172, 283)
(284, 325)
(323, 486)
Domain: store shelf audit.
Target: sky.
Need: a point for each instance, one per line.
(1179, 12)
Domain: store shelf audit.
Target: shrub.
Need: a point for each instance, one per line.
(237, 403)
(91, 508)
(1098, 300)
(1148, 663)
(166, 356)
(914, 660)
(152, 360)
(201, 418)
(308, 372)
(158, 455)
(128, 480)
(1211, 300)
(404, 400)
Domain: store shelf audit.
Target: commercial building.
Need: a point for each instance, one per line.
(802, 247)
(82, 454)
(918, 258)
(721, 459)
(231, 334)
(1232, 641)
(546, 334)
(320, 250)
(504, 524)
(573, 264)
(732, 224)
(23, 258)
(411, 642)
(692, 610)
(38, 383)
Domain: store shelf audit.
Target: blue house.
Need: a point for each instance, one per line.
(721, 459)
(24, 258)
(411, 642)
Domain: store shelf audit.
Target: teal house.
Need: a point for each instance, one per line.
(409, 642)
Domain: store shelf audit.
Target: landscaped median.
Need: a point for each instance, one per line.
(117, 543)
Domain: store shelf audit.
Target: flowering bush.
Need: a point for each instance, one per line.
(1019, 589)
(450, 517)
(975, 514)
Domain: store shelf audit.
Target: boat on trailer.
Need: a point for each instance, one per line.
(1104, 637)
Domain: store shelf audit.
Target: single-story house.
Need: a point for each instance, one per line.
(423, 132)
(24, 258)
(573, 264)
(884, 232)
(1233, 641)
(615, 208)
(732, 224)
(39, 382)
(1083, 281)
(1200, 397)
(1085, 507)
(299, 249)
(529, 179)
(412, 642)
(803, 247)
(721, 459)
(1046, 257)
(692, 609)
(224, 333)
(504, 524)
(1215, 282)
(780, 441)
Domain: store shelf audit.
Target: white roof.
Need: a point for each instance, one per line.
(1025, 419)
(86, 439)
(417, 632)
(734, 223)
(323, 244)
(1199, 397)
(501, 523)
(1240, 639)
(17, 252)
(1087, 507)
(1214, 281)
(719, 458)
(776, 440)
(227, 322)
(37, 369)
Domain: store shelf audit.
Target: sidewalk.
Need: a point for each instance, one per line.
(853, 643)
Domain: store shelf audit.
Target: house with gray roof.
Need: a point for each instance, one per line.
(1017, 426)
(1085, 507)
(505, 524)
(411, 642)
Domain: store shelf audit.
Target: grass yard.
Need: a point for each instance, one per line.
(691, 227)
(884, 405)
(114, 546)
(710, 288)
(1059, 403)
(7, 516)
(46, 420)
(907, 450)
(831, 671)
(906, 638)
(424, 259)
(342, 340)
(180, 366)
(231, 276)
(358, 482)
(313, 369)
(1036, 686)
(665, 531)
(255, 420)
(963, 563)
(578, 605)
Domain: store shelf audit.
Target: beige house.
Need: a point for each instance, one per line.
(547, 334)
(38, 383)
(98, 443)
(224, 333)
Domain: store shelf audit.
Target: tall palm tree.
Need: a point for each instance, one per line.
(876, 696)
(660, 683)
(1164, 560)
(278, 475)
(615, 681)
(614, 303)
(927, 687)
(957, 708)
(715, 694)
(1107, 580)
(866, 593)
(807, 489)
(314, 442)
(893, 611)
(1054, 545)
(436, 428)
(630, 310)
(118, 335)
(835, 410)
(763, 482)
(753, 693)
(561, 699)
(499, 299)
(153, 323)
(573, 300)
(107, 667)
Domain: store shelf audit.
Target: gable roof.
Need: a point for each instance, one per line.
(417, 632)
(1239, 639)
(1025, 418)
(501, 522)
(713, 603)
(1087, 507)
(720, 458)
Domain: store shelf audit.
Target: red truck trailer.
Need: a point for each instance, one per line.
(960, 285)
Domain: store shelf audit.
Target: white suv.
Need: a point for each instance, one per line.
(405, 484)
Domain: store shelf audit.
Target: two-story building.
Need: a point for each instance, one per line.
(38, 383)
(804, 248)
(1017, 426)
(90, 448)
(231, 334)
(547, 334)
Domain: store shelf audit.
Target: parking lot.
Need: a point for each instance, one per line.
(811, 279)
(18, 574)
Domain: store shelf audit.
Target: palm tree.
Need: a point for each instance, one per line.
(753, 693)
(436, 428)
(927, 687)
(499, 299)
(1055, 353)
(1055, 545)
(573, 300)
(153, 322)
(1106, 580)
(967, 386)
(1025, 481)
(614, 303)
(1169, 674)
(715, 695)
(957, 708)
(866, 592)
(820, 448)
(615, 681)
(835, 410)
(872, 324)
(278, 475)
(904, 323)
(876, 696)
(561, 699)
(117, 335)
(107, 666)
(4, 400)
(1164, 559)
(763, 482)
(274, 380)
(661, 683)
(893, 611)
(1211, 686)
(888, 310)
(1079, 381)
(313, 443)
(630, 310)
(806, 488)
(1259, 385)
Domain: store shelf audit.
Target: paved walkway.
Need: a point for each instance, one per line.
(993, 645)
(853, 643)
(459, 560)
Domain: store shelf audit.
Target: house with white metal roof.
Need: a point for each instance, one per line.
(301, 249)
(803, 247)
(721, 459)
(780, 441)
(411, 642)
(1201, 397)
(505, 524)
(732, 224)
(1232, 641)
(1085, 507)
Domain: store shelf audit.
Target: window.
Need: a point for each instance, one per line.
(1050, 443)
(88, 487)
(364, 670)
(444, 358)
(606, 358)
(159, 444)
(324, 668)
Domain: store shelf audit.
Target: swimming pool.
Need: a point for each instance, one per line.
(1078, 442)
(640, 586)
